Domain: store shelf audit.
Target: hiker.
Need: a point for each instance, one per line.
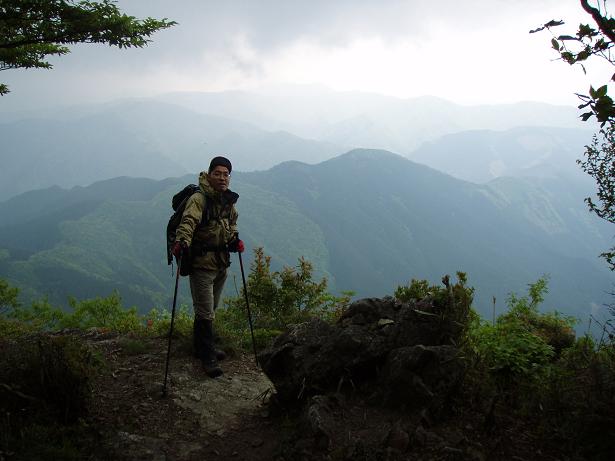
(205, 242)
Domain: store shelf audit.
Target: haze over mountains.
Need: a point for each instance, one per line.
(506, 205)
(178, 132)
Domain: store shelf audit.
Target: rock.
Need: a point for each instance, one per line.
(134, 446)
(384, 322)
(473, 454)
(185, 450)
(154, 389)
(418, 377)
(321, 420)
(398, 438)
(453, 453)
(316, 357)
(423, 437)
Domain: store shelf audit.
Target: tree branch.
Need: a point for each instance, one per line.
(601, 21)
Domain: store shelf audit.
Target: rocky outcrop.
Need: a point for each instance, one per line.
(368, 383)
(403, 350)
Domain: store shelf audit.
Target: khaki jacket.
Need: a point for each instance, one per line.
(208, 241)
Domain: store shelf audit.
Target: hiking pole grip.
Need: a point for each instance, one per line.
(245, 292)
(166, 369)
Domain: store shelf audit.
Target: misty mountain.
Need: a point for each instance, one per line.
(358, 119)
(138, 138)
(369, 220)
(482, 155)
(178, 133)
(41, 153)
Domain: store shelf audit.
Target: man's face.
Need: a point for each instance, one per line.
(219, 178)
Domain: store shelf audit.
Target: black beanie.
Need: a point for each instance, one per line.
(220, 161)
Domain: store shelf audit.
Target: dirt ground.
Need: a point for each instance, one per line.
(229, 418)
(198, 419)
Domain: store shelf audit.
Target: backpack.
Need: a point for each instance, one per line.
(179, 205)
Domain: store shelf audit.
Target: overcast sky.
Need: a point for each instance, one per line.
(466, 51)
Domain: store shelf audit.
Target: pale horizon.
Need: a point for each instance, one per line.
(472, 54)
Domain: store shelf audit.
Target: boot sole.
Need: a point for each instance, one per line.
(214, 373)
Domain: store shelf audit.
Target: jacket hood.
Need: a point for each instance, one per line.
(205, 186)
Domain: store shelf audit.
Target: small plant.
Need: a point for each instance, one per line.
(45, 388)
(133, 346)
(8, 297)
(277, 299)
(107, 313)
(453, 303)
(523, 341)
(158, 322)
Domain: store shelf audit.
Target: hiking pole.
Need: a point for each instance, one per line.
(245, 292)
(166, 370)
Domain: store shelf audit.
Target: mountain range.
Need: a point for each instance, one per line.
(177, 133)
(480, 156)
(135, 138)
(369, 220)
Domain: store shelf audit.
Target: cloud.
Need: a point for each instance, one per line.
(454, 49)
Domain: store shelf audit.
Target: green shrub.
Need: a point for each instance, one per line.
(415, 290)
(101, 312)
(452, 302)
(133, 346)
(107, 313)
(277, 299)
(158, 322)
(518, 348)
(510, 350)
(45, 389)
(8, 297)
(578, 398)
(556, 330)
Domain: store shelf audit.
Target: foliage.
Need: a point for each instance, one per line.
(32, 30)
(599, 161)
(8, 297)
(40, 315)
(279, 298)
(588, 41)
(45, 389)
(452, 302)
(529, 365)
(577, 399)
(133, 346)
(107, 313)
(523, 340)
(100, 312)
(158, 323)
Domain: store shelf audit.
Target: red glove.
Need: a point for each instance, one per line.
(236, 246)
(179, 248)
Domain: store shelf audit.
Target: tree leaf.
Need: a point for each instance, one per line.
(593, 92)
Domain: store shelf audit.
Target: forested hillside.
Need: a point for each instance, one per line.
(369, 220)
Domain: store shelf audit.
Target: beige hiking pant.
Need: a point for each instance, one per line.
(206, 288)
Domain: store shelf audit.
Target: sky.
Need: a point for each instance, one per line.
(469, 52)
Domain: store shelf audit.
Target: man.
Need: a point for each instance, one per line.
(207, 241)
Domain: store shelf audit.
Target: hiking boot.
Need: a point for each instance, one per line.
(206, 348)
(197, 341)
(212, 369)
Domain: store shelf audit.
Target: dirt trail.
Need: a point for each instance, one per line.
(199, 418)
